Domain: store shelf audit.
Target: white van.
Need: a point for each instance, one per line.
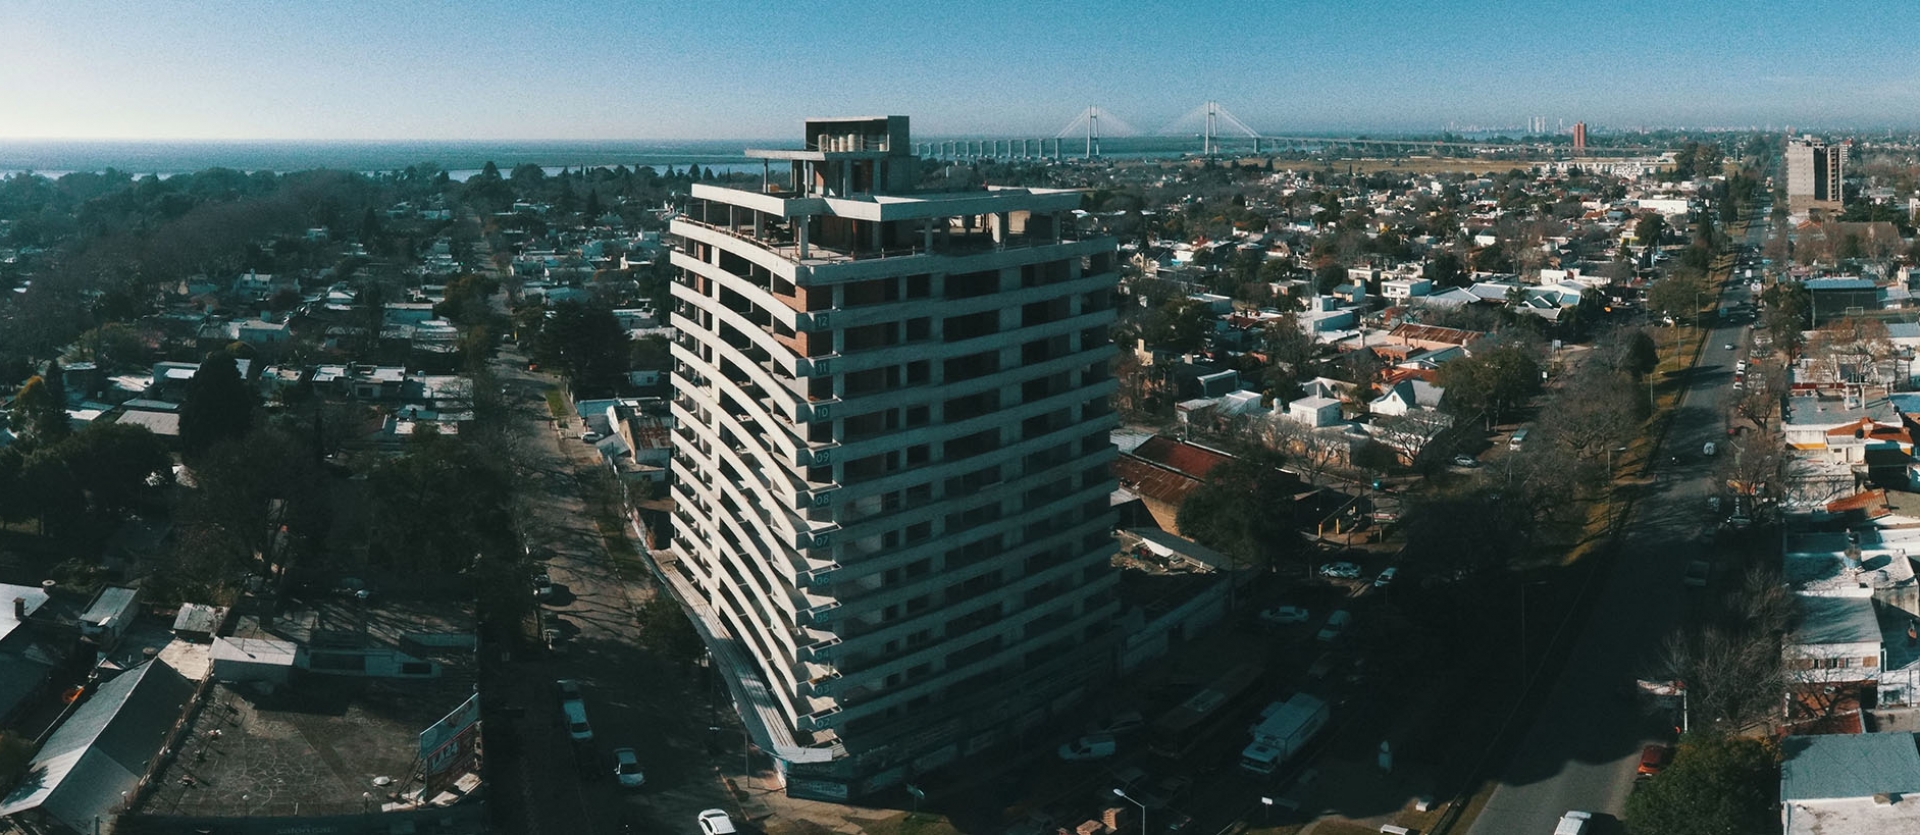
(1519, 438)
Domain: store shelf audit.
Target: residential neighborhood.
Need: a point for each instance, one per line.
(884, 483)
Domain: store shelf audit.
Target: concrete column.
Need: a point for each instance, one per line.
(998, 222)
(766, 174)
(926, 235)
(800, 233)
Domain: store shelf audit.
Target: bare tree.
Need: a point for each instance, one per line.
(1315, 454)
(1754, 465)
(1411, 433)
(1851, 349)
(1597, 410)
(1732, 678)
(1766, 384)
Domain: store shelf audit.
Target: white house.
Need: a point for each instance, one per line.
(1314, 411)
(1401, 289)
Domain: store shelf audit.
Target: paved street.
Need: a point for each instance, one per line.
(1584, 744)
(633, 699)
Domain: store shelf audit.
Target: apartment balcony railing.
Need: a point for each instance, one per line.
(949, 244)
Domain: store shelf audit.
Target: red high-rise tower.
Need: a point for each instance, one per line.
(1579, 138)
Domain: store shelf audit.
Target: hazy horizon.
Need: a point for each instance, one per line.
(595, 70)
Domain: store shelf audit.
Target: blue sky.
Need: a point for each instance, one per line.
(489, 69)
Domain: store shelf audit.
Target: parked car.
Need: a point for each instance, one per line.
(1697, 572)
(1123, 723)
(573, 710)
(1386, 577)
(1173, 788)
(626, 768)
(1284, 615)
(542, 587)
(715, 822)
(1653, 758)
(1466, 461)
(1089, 747)
(1340, 571)
(1709, 449)
(1336, 626)
(1573, 823)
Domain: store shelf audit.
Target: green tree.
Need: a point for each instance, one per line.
(1502, 533)
(1717, 785)
(16, 753)
(439, 505)
(1328, 276)
(56, 380)
(219, 406)
(1789, 313)
(1180, 325)
(113, 464)
(114, 345)
(586, 343)
(1445, 269)
(37, 416)
(244, 492)
(668, 631)
(1681, 293)
(53, 495)
(1490, 385)
(1241, 511)
(1635, 353)
(1290, 353)
(1650, 229)
(651, 353)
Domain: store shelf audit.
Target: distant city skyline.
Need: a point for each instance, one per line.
(596, 69)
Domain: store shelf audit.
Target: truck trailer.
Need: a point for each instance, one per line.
(1285, 728)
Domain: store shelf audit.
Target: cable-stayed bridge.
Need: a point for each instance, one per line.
(1214, 126)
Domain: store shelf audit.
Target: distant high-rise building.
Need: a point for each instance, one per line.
(1579, 138)
(891, 457)
(1815, 170)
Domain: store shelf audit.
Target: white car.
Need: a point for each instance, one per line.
(1284, 615)
(716, 822)
(626, 768)
(1385, 578)
(1340, 571)
(1573, 823)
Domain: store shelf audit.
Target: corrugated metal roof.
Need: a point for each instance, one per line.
(103, 748)
(1195, 461)
(111, 602)
(1153, 482)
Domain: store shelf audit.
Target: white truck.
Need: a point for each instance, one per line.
(1284, 728)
